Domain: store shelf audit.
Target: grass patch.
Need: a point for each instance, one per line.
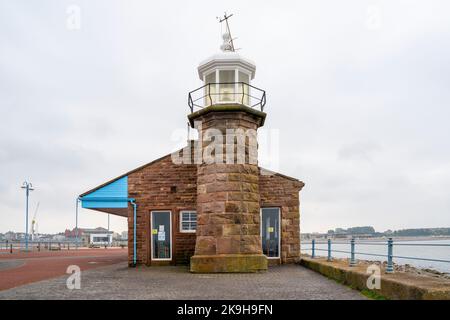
(373, 295)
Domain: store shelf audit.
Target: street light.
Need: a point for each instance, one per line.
(28, 187)
(76, 223)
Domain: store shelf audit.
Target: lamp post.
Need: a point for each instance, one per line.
(76, 223)
(28, 187)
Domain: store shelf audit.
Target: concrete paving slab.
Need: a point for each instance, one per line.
(118, 281)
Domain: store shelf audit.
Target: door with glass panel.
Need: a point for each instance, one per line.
(161, 238)
(270, 232)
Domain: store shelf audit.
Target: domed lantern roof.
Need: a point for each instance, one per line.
(227, 60)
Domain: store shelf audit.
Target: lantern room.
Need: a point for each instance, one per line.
(226, 79)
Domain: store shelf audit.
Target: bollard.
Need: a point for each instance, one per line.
(390, 263)
(39, 247)
(329, 250)
(68, 246)
(313, 249)
(10, 248)
(352, 253)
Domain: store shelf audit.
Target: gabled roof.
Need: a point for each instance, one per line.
(123, 175)
(273, 173)
(96, 230)
(112, 196)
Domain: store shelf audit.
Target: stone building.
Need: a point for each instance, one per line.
(210, 204)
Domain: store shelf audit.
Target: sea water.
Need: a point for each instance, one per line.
(404, 248)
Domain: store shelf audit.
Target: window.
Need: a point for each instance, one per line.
(243, 77)
(210, 91)
(100, 239)
(244, 91)
(188, 221)
(227, 80)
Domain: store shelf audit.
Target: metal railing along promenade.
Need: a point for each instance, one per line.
(389, 247)
(50, 245)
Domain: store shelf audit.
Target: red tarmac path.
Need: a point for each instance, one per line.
(20, 268)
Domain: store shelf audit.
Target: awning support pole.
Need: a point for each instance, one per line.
(133, 203)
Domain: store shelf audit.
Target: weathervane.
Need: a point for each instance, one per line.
(228, 44)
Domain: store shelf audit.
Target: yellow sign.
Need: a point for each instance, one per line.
(154, 231)
(270, 229)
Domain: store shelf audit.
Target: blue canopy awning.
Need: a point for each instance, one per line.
(111, 197)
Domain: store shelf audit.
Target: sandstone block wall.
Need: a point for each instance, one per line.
(151, 186)
(283, 192)
(228, 193)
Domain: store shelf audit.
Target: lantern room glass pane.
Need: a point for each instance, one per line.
(243, 77)
(210, 91)
(227, 85)
(243, 89)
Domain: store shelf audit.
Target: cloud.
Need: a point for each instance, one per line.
(362, 112)
(359, 150)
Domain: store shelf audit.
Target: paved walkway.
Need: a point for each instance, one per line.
(21, 268)
(120, 282)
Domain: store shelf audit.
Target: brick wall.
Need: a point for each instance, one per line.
(152, 188)
(283, 192)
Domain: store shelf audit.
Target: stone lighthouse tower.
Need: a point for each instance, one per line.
(227, 111)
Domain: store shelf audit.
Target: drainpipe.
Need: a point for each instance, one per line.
(134, 230)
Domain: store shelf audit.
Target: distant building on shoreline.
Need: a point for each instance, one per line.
(86, 236)
(369, 232)
(91, 237)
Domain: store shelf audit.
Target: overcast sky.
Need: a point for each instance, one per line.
(359, 91)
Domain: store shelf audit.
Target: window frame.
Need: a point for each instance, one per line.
(181, 221)
(151, 235)
(279, 229)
